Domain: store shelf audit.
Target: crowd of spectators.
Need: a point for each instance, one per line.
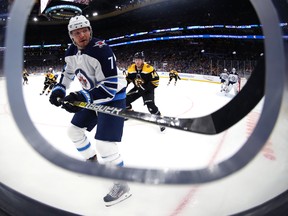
(192, 56)
(186, 56)
(205, 56)
(179, 13)
(164, 14)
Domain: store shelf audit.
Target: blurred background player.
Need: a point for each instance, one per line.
(25, 76)
(173, 74)
(224, 79)
(145, 80)
(233, 82)
(49, 82)
(93, 62)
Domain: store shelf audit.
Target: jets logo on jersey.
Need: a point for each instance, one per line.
(100, 44)
(233, 78)
(83, 80)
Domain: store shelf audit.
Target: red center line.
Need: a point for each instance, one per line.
(250, 125)
(191, 193)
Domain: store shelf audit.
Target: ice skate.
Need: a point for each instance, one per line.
(118, 193)
(162, 128)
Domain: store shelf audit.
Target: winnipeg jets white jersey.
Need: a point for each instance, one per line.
(233, 78)
(95, 67)
(223, 76)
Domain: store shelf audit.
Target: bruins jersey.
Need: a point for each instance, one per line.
(173, 74)
(49, 79)
(25, 74)
(147, 77)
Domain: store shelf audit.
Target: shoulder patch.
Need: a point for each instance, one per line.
(131, 68)
(147, 68)
(100, 43)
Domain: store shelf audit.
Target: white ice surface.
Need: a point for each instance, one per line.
(143, 145)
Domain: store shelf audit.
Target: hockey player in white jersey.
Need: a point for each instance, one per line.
(224, 79)
(92, 61)
(233, 82)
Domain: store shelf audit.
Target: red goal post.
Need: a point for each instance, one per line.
(242, 82)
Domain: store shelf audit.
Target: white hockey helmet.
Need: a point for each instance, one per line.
(233, 70)
(78, 22)
(225, 70)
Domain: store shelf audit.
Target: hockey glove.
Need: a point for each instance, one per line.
(67, 102)
(58, 93)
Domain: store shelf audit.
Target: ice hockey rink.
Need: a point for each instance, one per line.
(143, 146)
(175, 173)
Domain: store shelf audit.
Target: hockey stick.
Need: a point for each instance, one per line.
(213, 123)
(197, 125)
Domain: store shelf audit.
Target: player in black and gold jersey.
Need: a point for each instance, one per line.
(173, 74)
(25, 76)
(145, 80)
(49, 82)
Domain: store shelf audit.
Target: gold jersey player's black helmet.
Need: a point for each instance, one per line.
(139, 55)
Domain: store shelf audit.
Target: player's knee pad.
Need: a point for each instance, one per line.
(153, 109)
(81, 142)
(75, 133)
(109, 152)
(228, 89)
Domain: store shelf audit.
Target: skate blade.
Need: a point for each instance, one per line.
(162, 129)
(122, 198)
